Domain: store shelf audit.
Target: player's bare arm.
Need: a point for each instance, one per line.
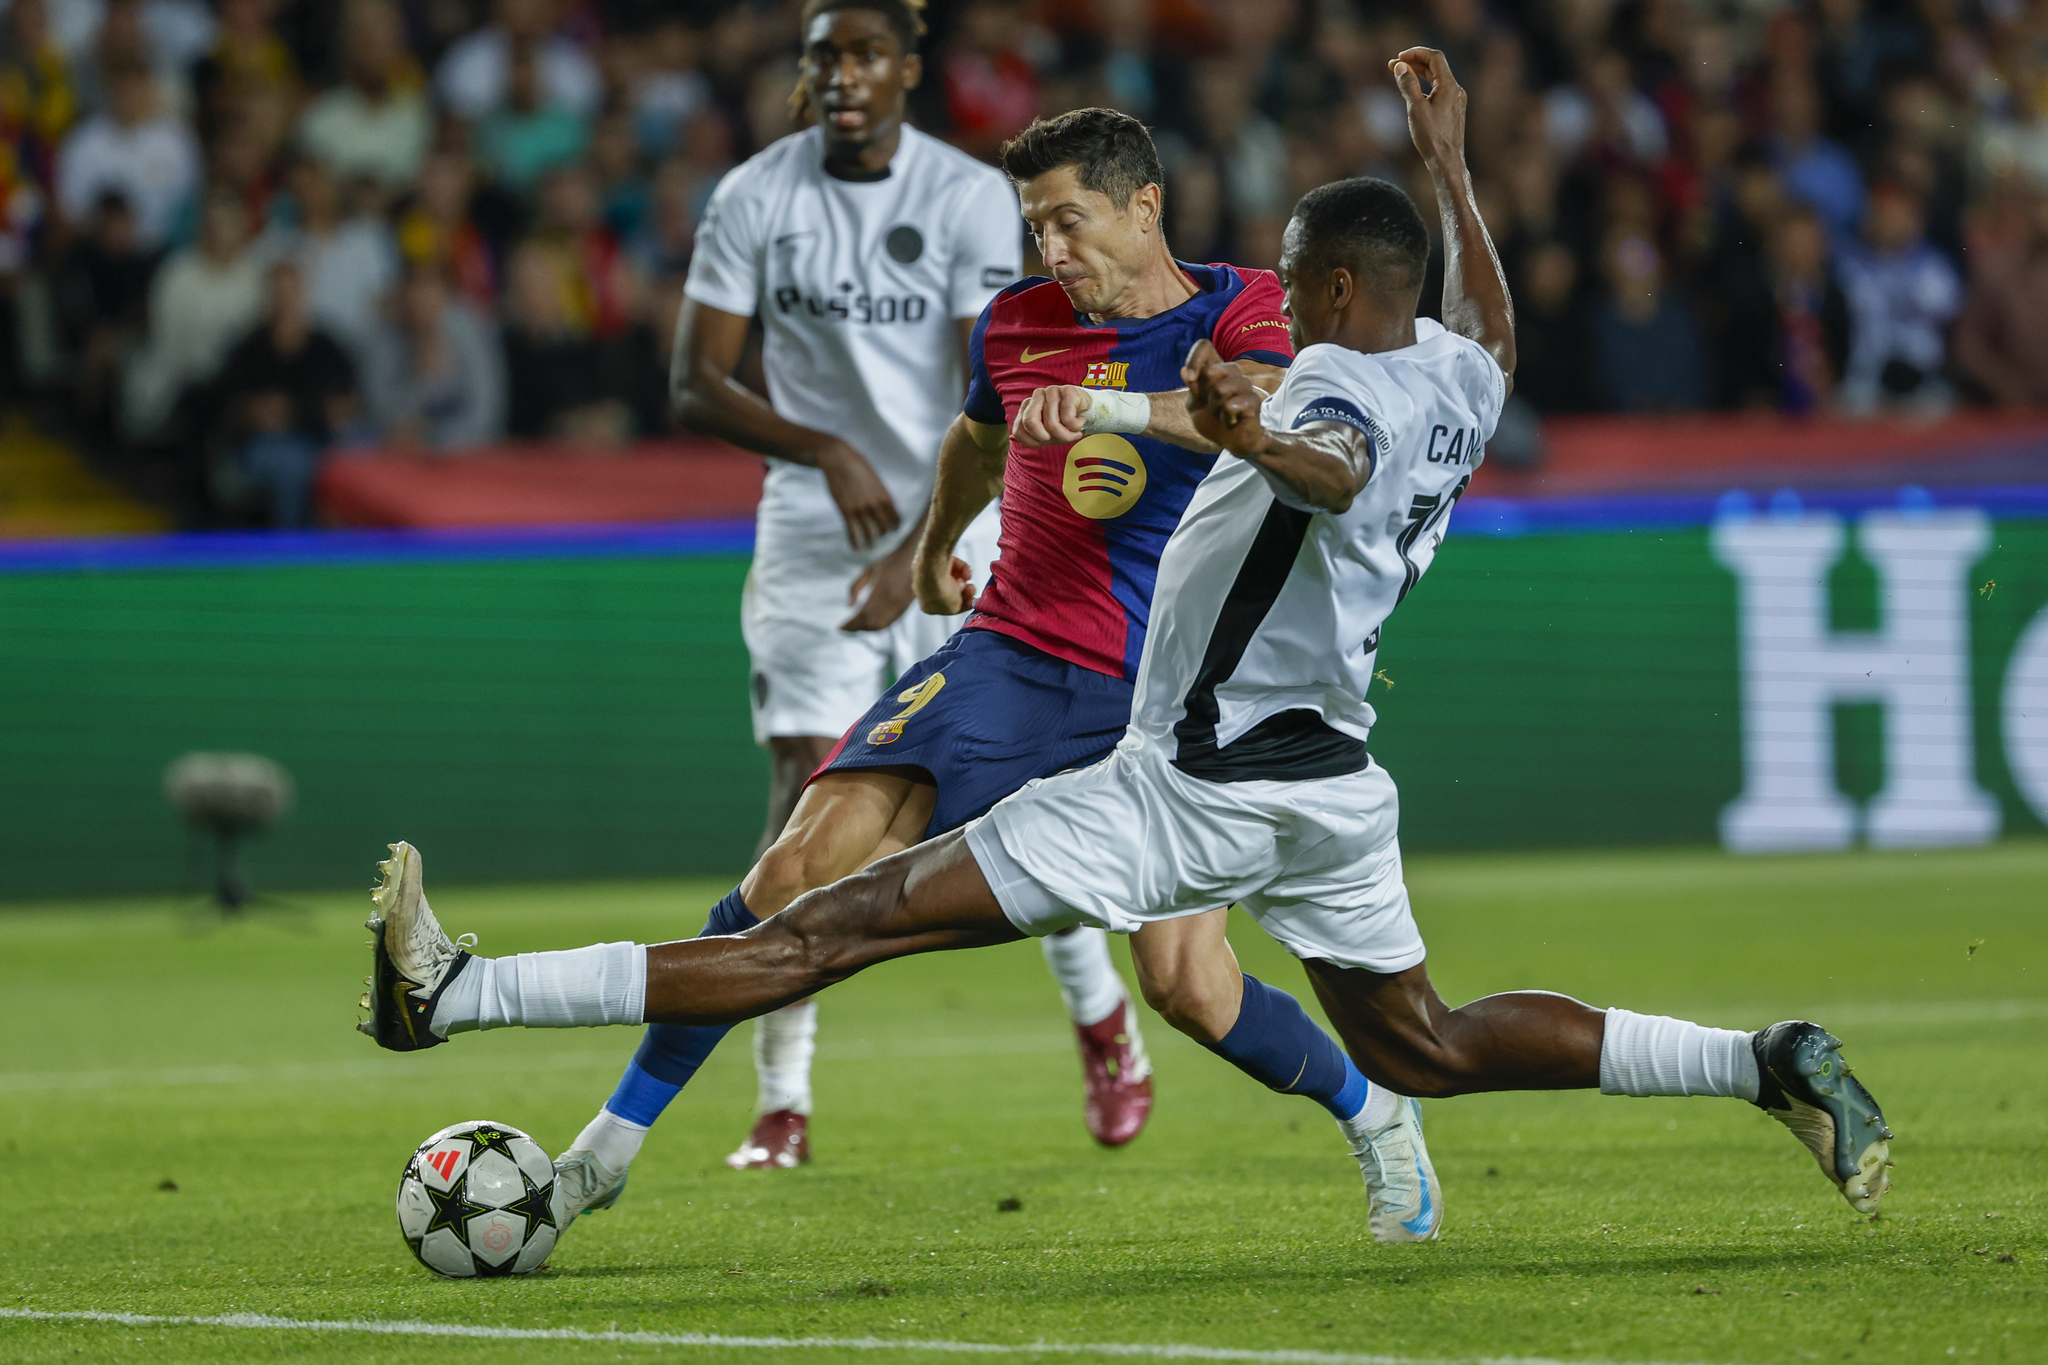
(1061, 414)
(1324, 463)
(890, 582)
(1476, 300)
(711, 402)
(970, 476)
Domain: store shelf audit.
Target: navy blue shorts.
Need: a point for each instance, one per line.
(984, 715)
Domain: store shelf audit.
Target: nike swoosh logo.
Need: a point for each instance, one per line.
(1419, 1224)
(398, 990)
(1030, 355)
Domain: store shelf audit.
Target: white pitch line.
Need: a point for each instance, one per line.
(1137, 1350)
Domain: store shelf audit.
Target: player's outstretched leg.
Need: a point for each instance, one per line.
(1190, 975)
(1404, 1033)
(1115, 1070)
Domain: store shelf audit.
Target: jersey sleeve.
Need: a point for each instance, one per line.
(988, 245)
(725, 266)
(983, 403)
(1317, 391)
(1252, 327)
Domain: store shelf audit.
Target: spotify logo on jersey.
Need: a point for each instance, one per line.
(1105, 476)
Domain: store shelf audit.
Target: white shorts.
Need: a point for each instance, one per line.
(1133, 839)
(809, 677)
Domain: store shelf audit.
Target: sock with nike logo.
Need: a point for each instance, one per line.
(1279, 1046)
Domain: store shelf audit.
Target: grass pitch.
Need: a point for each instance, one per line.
(140, 1053)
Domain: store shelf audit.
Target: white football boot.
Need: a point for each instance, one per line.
(583, 1184)
(414, 959)
(1403, 1199)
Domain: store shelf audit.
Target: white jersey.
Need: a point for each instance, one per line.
(858, 285)
(1265, 607)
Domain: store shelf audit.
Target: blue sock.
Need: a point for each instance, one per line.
(671, 1053)
(1278, 1045)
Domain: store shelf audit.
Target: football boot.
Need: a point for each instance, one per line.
(1404, 1201)
(1118, 1076)
(583, 1184)
(414, 959)
(781, 1141)
(1803, 1083)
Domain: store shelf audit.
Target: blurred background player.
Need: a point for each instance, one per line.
(865, 249)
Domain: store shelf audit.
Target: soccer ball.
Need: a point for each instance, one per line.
(477, 1198)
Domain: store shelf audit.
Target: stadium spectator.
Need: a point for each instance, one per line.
(1810, 342)
(102, 293)
(38, 99)
(623, 186)
(247, 54)
(668, 229)
(1902, 294)
(2001, 339)
(530, 133)
(1645, 343)
(991, 86)
(135, 149)
(436, 229)
(377, 122)
(476, 75)
(1816, 170)
(349, 259)
(593, 277)
(433, 375)
(205, 297)
(283, 392)
(1553, 334)
(669, 91)
(557, 377)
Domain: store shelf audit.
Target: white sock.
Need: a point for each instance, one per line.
(1087, 978)
(1382, 1107)
(580, 988)
(613, 1140)
(783, 1043)
(1648, 1054)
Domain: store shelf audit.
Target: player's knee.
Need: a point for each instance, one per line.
(1184, 1003)
(794, 864)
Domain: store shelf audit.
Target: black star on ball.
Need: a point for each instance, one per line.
(451, 1210)
(534, 1206)
(483, 1140)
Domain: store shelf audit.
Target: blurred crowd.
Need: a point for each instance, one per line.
(239, 237)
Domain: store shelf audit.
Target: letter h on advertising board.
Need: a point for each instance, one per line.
(1795, 669)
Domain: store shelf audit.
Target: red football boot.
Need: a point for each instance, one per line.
(1118, 1076)
(780, 1141)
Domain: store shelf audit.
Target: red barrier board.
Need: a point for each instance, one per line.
(543, 486)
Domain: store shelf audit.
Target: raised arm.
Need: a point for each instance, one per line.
(709, 401)
(1061, 414)
(1323, 465)
(970, 476)
(1476, 301)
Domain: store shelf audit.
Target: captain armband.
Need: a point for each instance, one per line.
(1112, 410)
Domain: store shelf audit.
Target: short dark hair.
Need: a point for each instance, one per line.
(905, 17)
(1111, 153)
(1371, 227)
